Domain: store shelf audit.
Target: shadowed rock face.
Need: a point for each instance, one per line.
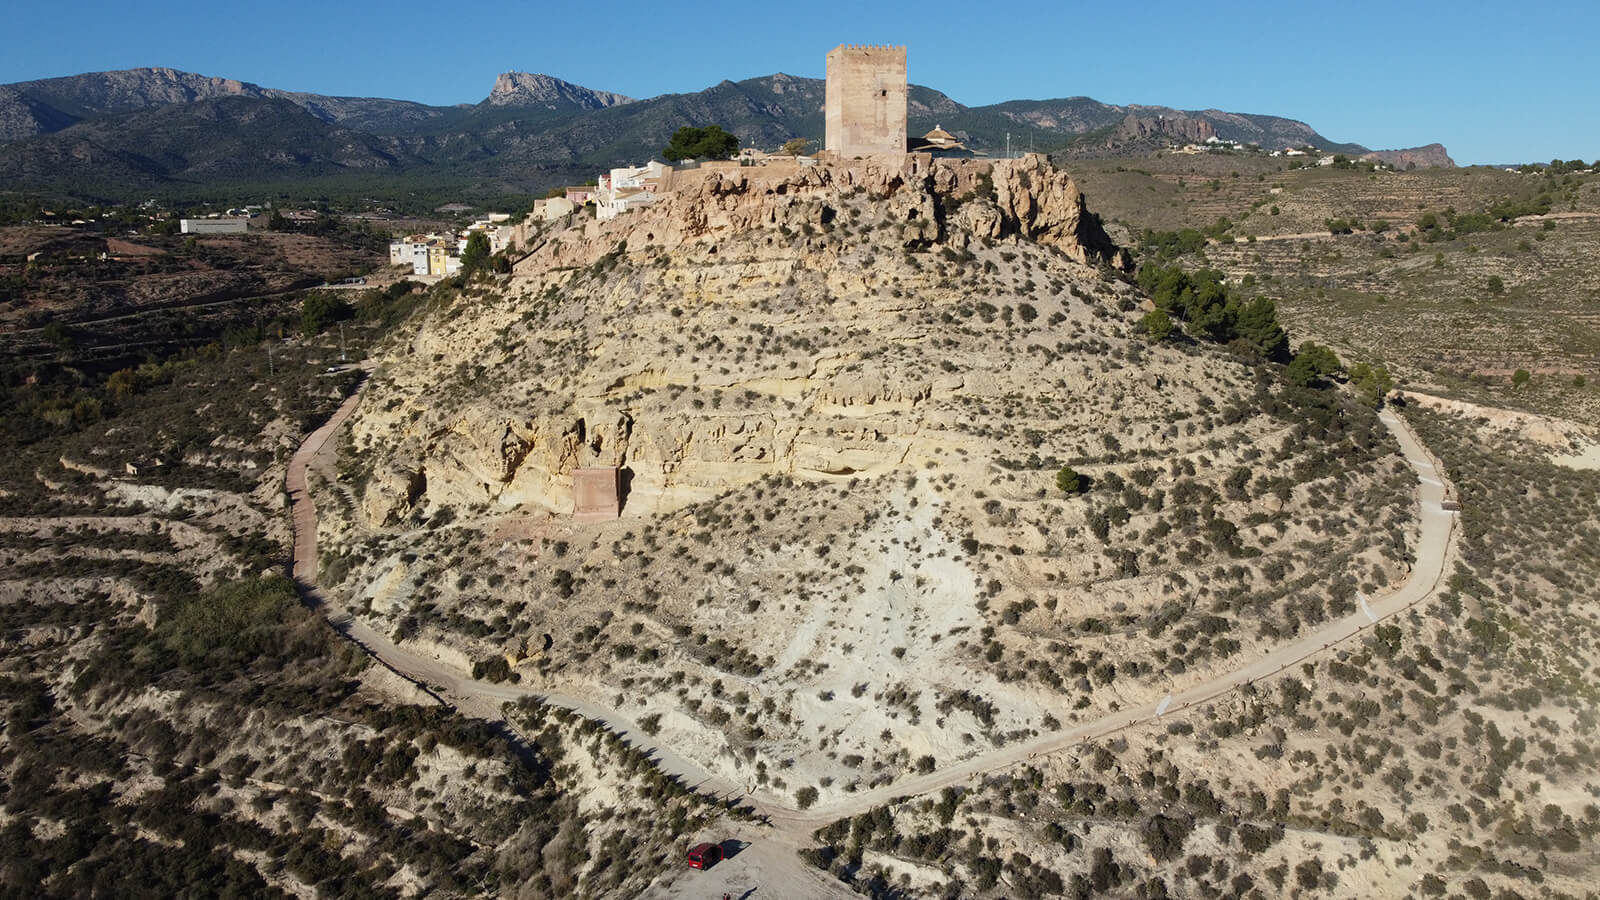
(1041, 203)
(22, 116)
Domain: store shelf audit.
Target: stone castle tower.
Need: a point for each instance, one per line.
(866, 100)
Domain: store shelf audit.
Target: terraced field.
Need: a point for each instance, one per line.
(1457, 310)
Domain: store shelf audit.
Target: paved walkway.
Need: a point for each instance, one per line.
(771, 858)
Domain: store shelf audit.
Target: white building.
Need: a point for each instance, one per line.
(638, 176)
(619, 202)
(552, 208)
(630, 187)
(493, 227)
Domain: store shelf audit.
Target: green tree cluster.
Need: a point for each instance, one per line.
(1171, 244)
(1559, 167)
(321, 309)
(1069, 481)
(1312, 363)
(476, 254)
(1447, 224)
(1157, 325)
(710, 142)
(1209, 310)
(1372, 383)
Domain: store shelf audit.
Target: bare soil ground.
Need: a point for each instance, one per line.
(71, 282)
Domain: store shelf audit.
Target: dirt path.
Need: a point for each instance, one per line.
(1312, 235)
(1302, 236)
(1532, 220)
(771, 859)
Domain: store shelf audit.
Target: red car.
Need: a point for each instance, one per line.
(704, 856)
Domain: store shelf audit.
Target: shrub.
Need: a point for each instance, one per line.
(238, 621)
(1157, 325)
(1069, 481)
(495, 669)
(1312, 363)
(1373, 383)
(1164, 836)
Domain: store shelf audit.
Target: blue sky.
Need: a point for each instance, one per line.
(1493, 83)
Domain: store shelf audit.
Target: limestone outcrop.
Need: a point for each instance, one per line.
(390, 493)
(776, 273)
(919, 196)
(525, 89)
(1044, 204)
(1427, 156)
(1172, 127)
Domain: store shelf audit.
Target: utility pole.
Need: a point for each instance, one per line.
(1008, 145)
(341, 343)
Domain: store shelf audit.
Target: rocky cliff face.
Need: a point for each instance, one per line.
(525, 89)
(1428, 156)
(925, 202)
(1177, 128)
(727, 233)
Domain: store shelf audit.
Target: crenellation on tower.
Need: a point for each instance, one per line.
(866, 100)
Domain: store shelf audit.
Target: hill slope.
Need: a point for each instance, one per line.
(209, 140)
(840, 400)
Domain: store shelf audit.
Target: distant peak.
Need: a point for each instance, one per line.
(1426, 156)
(530, 89)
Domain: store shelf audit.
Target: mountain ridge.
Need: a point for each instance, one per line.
(525, 89)
(530, 127)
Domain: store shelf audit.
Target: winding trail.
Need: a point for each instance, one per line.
(771, 858)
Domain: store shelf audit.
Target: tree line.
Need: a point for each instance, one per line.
(1200, 305)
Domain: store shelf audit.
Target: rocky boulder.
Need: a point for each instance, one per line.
(1043, 204)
